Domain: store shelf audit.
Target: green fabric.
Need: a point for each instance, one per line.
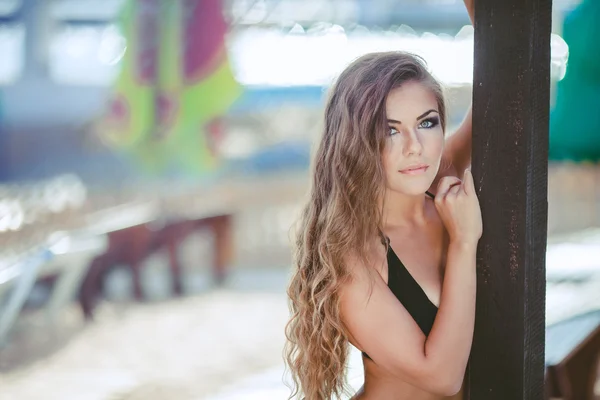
(575, 120)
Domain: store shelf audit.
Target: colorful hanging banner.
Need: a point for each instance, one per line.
(175, 85)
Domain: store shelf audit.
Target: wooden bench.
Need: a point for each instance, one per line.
(573, 318)
(572, 355)
(131, 245)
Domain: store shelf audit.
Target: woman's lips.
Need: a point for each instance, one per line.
(417, 170)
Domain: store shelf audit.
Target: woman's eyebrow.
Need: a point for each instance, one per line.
(426, 113)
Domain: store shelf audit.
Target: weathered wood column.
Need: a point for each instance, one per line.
(510, 166)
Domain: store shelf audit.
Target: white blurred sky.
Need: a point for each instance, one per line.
(264, 57)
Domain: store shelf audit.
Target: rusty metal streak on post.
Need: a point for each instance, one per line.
(511, 94)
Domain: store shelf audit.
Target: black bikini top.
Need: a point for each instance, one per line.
(409, 293)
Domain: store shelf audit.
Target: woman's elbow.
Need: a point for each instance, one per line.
(441, 381)
(447, 386)
(451, 388)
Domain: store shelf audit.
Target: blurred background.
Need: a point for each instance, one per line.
(155, 153)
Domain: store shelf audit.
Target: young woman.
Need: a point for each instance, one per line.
(385, 252)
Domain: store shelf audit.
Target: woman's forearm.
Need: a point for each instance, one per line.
(459, 145)
(449, 342)
(470, 4)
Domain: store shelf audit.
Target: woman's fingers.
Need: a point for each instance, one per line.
(456, 189)
(445, 184)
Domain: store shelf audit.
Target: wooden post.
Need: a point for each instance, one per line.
(510, 165)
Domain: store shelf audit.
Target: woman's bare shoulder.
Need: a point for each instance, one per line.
(366, 276)
(361, 269)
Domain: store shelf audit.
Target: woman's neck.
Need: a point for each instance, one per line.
(401, 210)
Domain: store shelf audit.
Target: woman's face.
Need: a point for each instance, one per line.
(415, 141)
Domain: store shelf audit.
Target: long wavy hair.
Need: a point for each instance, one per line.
(342, 216)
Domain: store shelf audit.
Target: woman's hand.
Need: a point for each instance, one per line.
(459, 209)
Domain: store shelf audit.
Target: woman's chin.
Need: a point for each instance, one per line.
(413, 191)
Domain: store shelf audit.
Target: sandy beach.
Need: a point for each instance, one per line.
(179, 349)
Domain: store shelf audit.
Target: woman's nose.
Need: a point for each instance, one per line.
(413, 144)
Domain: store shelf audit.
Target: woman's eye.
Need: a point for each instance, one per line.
(429, 123)
(392, 131)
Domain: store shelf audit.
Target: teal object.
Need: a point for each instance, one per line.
(575, 119)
